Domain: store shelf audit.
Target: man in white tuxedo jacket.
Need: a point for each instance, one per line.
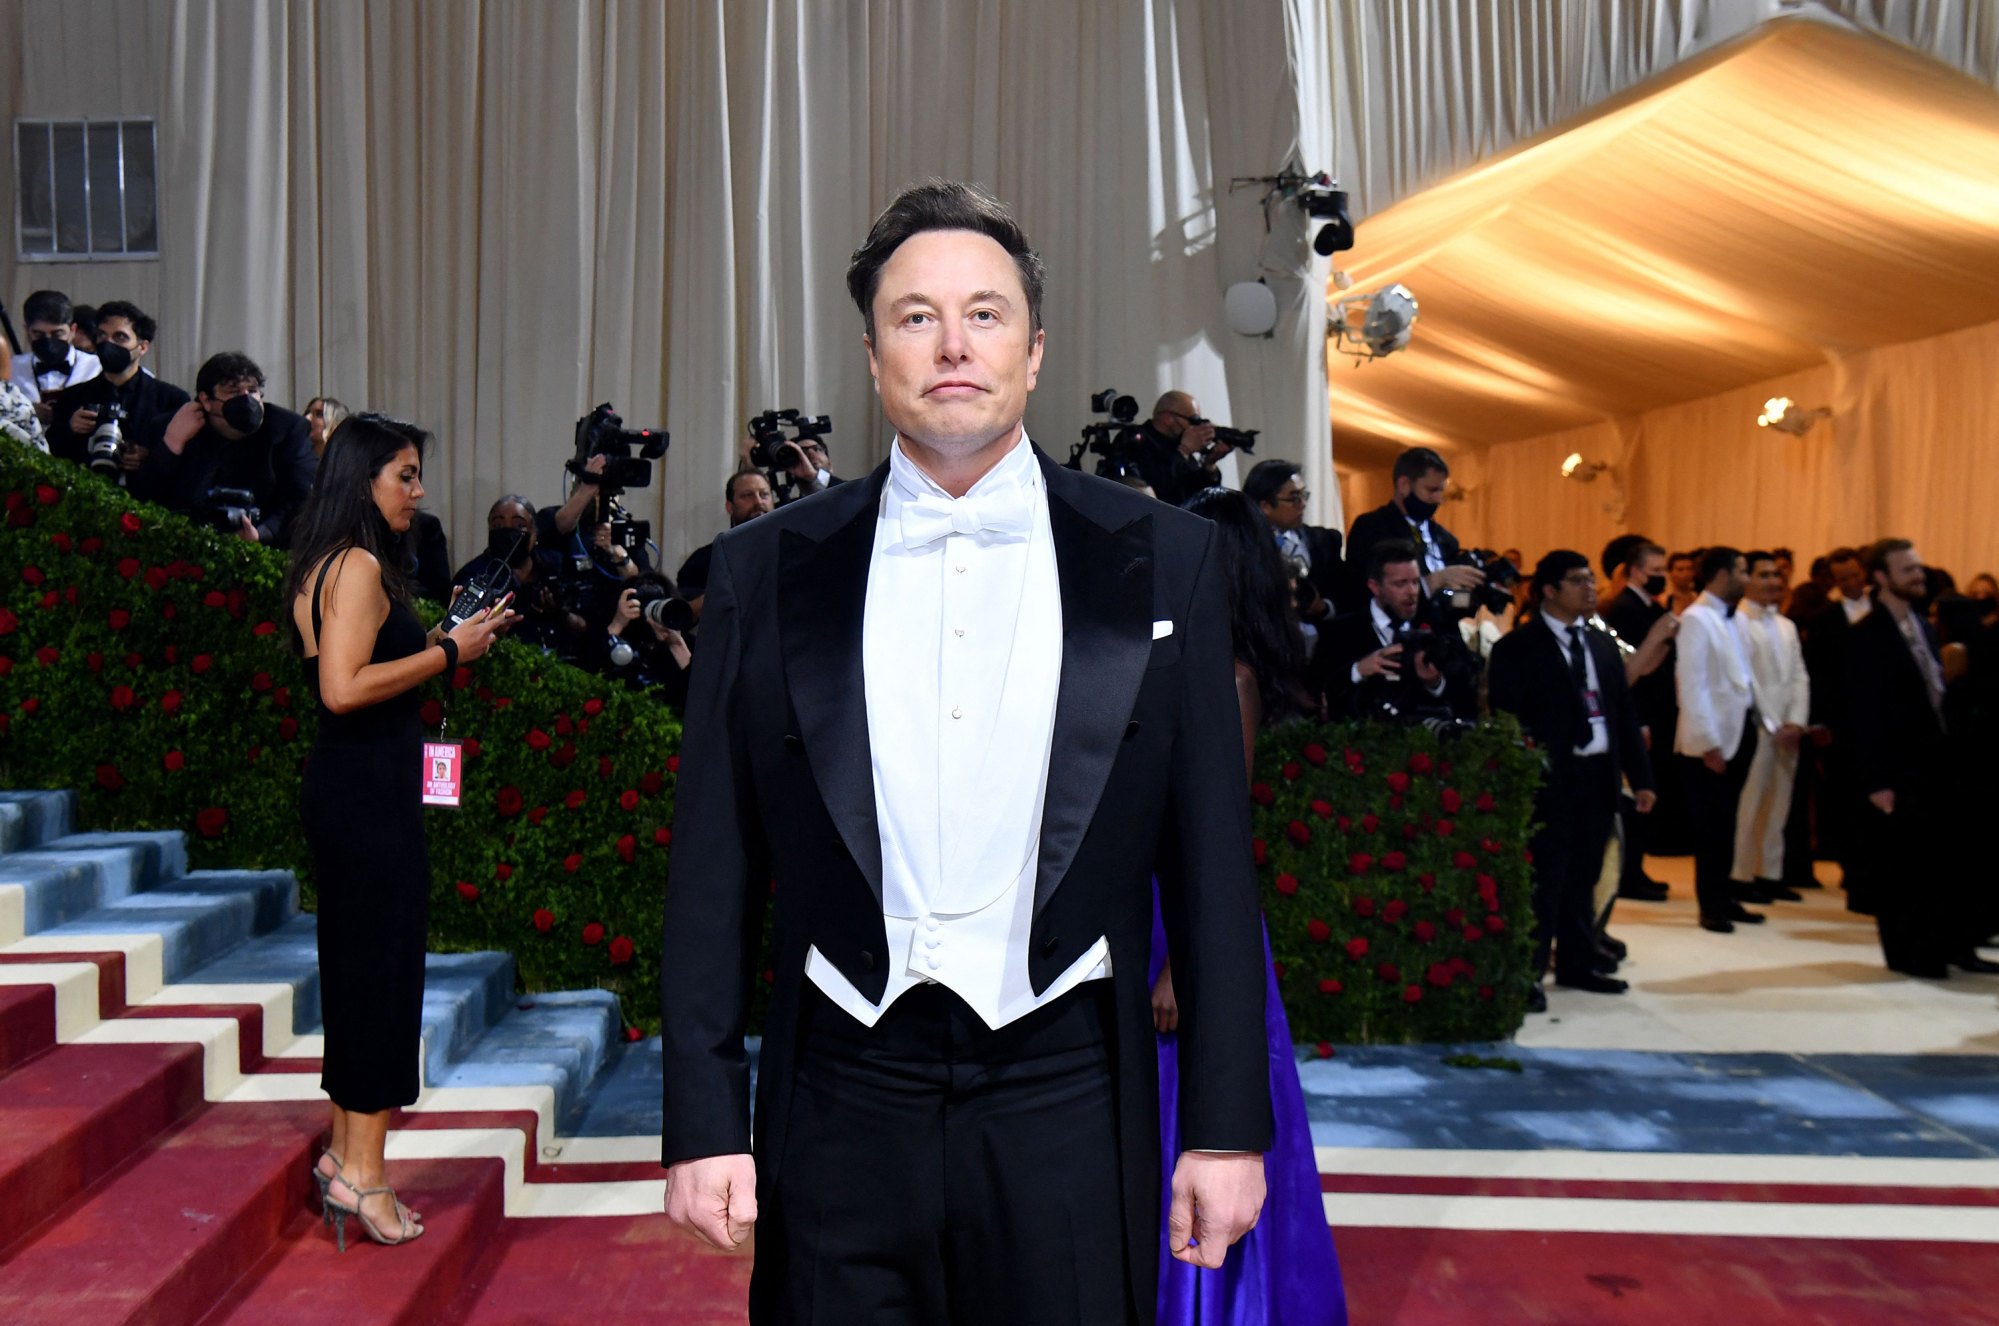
(1783, 704)
(1716, 740)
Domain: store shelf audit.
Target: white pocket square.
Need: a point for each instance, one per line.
(1160, 630)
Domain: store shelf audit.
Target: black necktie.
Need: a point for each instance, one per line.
(1577, 669)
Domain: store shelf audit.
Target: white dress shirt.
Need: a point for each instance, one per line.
(81, 366)
(1776, 667)
(1855, 609)
(961, 646)
(1716, 688)
(1384, 631)
(1566, 634)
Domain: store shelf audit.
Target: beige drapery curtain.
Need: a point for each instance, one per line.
(489, 216)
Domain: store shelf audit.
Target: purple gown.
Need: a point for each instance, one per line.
(1284, 1272)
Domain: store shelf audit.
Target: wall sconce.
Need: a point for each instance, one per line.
(1782, 413)
(1582, 471)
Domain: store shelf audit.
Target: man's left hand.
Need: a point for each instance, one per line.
(1427, 672)
(1645, 800)
(1217, 1197)
(248, 532)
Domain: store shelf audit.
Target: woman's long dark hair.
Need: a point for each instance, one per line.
(1263, 621)
(341, 512)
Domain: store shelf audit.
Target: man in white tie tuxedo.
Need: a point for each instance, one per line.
(1783, 703)
(1716, 740)
(946, 725)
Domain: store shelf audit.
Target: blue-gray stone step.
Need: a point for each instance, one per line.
(29, 819)
(197, 917)
(557, 1040)
(156, 857)
(623, 1100)
(287, 955)
(464, 995)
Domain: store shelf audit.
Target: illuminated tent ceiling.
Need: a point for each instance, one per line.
(1799, 195)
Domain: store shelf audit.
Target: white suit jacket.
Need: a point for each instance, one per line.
(1715, 684)
(1777, 667)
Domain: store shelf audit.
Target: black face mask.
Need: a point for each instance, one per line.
(50, 352)
(1652, 586)
(243, 413)
(1417, 509)
(114, 357)
(508, 545)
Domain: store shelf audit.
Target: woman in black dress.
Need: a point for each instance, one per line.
(365, 655)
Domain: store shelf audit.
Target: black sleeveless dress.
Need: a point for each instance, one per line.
(362, 806)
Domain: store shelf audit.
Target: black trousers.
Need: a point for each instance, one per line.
(938, 1172)
(1577, 810)
(1712, 801)
(1798, 836)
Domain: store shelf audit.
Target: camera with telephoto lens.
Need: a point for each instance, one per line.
(628, 452)
(1496, 594)
(107, 442)
(1240, 439)
(662, 609)
(1116, 438)
(225, 509)
(776, 431)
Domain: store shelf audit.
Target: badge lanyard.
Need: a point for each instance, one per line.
(443, 770)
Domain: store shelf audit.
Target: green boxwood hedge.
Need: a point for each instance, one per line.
(147, 661)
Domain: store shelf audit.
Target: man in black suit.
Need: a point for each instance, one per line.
(1912, 830)
(1279, 492)
(1420, 479)
(1177, 452)
(1565, 683)
(913, 694)
(1364, 668)
(1635, 568)
(1827, 638)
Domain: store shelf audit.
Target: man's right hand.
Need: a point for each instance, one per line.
(1455, 577)
(1715, 761)
(1196, 438)
(1883, 801)
(188, 420)
(84, 421)
(591, 467)
(1382, 662)
(716, 1197)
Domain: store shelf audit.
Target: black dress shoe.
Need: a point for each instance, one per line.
(1537, 1000)
(1605, 965)
(1613, 946)
(1974, 963)
(1594, 982)
(1756, 892)
(1721, 925)
(1744, 915)
(1779, 891)
(1642, 892)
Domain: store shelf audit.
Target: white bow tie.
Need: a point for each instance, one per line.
(1004, 516)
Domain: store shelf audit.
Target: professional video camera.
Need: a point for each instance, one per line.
(775, 431)
(627, 532)
(107, 442)
(225, 509)
(1115, 438)
(1496, 594)
(628, 452)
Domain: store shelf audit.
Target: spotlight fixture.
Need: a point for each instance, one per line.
(1782, 413)
(1370, 326)
(1582, 471)
(1321, 199)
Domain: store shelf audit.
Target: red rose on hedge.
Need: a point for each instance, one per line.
(122, 697)
(593, 706)
(650, 784)
(626, 846)
(538, 739)
(1357, 949)
(472, 748)
(563, 756)
(264, 628)
(563, 727)
(1496, 924)
(1424, 931)
(201, 663)
(1287, 885)
(1329, 986)
(461, 677)
(6, 665)
(1393, 861)
(211, 822)
(575, 800)
(214, 598)
(628, 799)
(1485, 992)
(1419, 763)
(509, 800)
(170, 702)
(1315, 754)
(537, 815)
(544, 919)
(1370, 822)
(8, 622)
(1398, 782)
(1450, 801)
(572, 863)
(1396, 909)
(132, 662)
(1440, 975)
(260, 681)
(1262, 795)
(130, 523)
(593, 934)
(621, 951)
(503, 872)
(1464, 861)
(1292, 770)
(287, 728)
(109, 778)
(130, 566)
(1258, 852)
(1298, 833)
(662, 837)
(1412, 994)
(29, 705)
(1445, 828)
(673, 764)
(1318, 930)
(1344, 823)
(1473, 934)
(1388, 972)
(1363, 906)
(1486, 804)
(1323, 809)
(33, 576)
(91, 546)
(47, 656)
(174, 761)
(1455, 916)
(60, 540)
(156, 579)
(47, 494)
(431, 713)
(469, 892)
(1359, 863)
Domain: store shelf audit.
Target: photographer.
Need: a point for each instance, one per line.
(1420, 479)
(226, 438)
(51, 364)
(145, 404)
(1276, 488)
(1178, 450)
(511, 540)
(803, 464)
(643, 643)
(1383, 662)
(744, 498)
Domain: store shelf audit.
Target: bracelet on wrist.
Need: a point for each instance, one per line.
(450, 648)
